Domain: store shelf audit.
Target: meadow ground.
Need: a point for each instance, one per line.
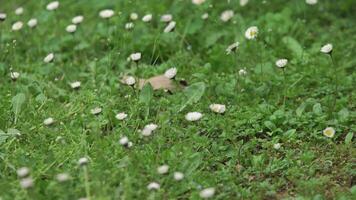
(267, 140)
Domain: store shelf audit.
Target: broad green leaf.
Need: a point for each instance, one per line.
(146, 94)
(300, 109)
(193, 94)
(317, 109)
(3, 136)
(343, 114)
(17, 103)
(294, 46)
(349, 137)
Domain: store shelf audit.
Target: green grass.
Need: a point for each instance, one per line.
(232, 152)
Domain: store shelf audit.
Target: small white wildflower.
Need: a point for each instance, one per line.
(193, 116)
(243, 2)
(124, 141)
(329, 132)
(232, 48)
(277, 146)
(151, 126)
(17, 26)
(83, 161)
(251, 33)
(311, 2)
(49, 121)
(52, 5)
(96, 111)
(207, 193)
(19, 11)
(205, 16)
(153, 186)
(226, 15)
(23, 172)
(77, 19)
(14, 75)
(242, 72)
(327, 49)
(198, 2)
(62, 177)
(166, 18)
(135, 56)
(49, 58)
(71, 28)
(163, 169)
(129, 26)
(146, 132)
(121, 116)
(133, 16)
(26, 183)
(130, 80)
(32, 23)
(170, 27)
(148, 129)
(170, 73)
(107, 13)
(2, 16)
(281, 63)
(147, 18)
(217, 108)
(178, 176)
(75, 85)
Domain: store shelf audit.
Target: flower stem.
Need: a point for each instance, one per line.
(336, 91)
(86, 182)
(284, 88)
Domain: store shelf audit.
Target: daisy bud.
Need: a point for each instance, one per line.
(251, 33)
(243, 2)
(311, 2)
(153, 186)
(23, 172)
(166, 18)
(96, 111)
(121, 116)
(62, 177)
(49, 121)
(133, 16)
(107, 13)
(207, 193)
(226, 15)
(178, 176)
(281, 63)
(32, 23)
(329, 132)
(71, 28)
(198, 2)
(129, 26)
(52, 5)
(130, 80)
(170, 27)
(170, 73)
(77, 19)
(26, 183)
(193, 116)
(14, 75)
(147, 18)
(75, 85)
(49, 58)
(19, 11)
(217, 108)
(327, 49)
(242, 72)
(2, 16)
(163, 169)
(17, 26)
(83, 161)
(135, 56)
(205, 16)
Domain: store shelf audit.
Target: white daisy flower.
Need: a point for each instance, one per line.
(19, 11)
(129, 26)
(14, 75)
(251, 33)
(129, 80)
(193, 116)
(63, 177)
(226, 15)
(153, 186)
(217, 108)
(198, 2)
(124, 141)
(17, 26)
(148, 129)
(281, 63)
(26, 183)
(77, 19)
(170, 73)
(178, 176)
(327, 49)
(83, 161)
(329, 132)
(96, 111)
(311, 2)
(49, 58)
(49, 121)
(232, 48)
(121, 116)
(205, 16)
(242, 72)
(23, 172)
(147, 18)
(170, 27)
(75, 85)
(207, 193)
(277, 146)
(151, 126)
(52, 5)
(2, 16)
(163, 169)
(107, 13)
(166, 18)
(135, 56)
(71, 28)
(243, 2)
(133, 16)
(32, 23)
(146, 132)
